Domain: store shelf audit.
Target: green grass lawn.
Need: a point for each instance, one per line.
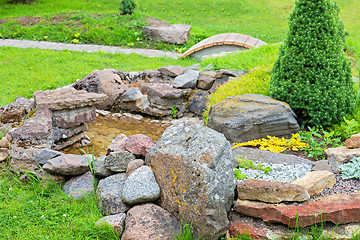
(30, 211)
(61, 20)
(23, 71)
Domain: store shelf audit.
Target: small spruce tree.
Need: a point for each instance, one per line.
(312, 73)
(127, 7)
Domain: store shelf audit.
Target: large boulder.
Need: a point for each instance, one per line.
(103, 81)
(252, 116)
(109, 193)
(168, 33)
(16, 111)
(193, 165)
(140, 187)
(150, 222)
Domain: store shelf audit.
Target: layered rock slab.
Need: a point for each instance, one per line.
(338, 209)
(194, 167)
(252, 116)
(103, 81)
(271, 192)
(316, 182)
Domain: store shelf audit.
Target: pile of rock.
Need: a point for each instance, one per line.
(155, 92)
(188, 173)
(59, 120)
(290, 204)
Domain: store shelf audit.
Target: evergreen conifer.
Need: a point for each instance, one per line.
(312, 73)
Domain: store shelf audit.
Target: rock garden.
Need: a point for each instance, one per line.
(186, 176)
(284, 164)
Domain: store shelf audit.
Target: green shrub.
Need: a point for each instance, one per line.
(350, 170)
(312, 73)
(127, 7)
(256, 82)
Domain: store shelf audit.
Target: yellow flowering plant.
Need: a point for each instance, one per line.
(275, 144)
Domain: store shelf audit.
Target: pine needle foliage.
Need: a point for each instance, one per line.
(312, 73)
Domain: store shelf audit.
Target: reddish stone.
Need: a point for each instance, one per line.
(161, 90)
(139, 144)
(239, 228)
(16, 111)
(338, 209)
(353, 141)
(133, 165)
(172, 70)
(66, 98)
(117, 145)
(68, 118)
(150, 222)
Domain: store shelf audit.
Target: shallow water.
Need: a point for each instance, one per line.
(103, 130)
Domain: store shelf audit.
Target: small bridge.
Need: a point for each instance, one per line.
(224, 42)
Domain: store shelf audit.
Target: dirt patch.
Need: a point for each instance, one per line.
(156, 22)
(23, 20)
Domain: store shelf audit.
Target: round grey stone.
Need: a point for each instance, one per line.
(141, 187)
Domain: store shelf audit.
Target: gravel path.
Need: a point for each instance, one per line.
(85, 48)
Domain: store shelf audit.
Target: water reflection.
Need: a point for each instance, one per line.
(104, 129)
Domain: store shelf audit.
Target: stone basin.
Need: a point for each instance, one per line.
(105, 129)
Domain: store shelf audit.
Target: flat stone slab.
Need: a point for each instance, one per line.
(172, 70)
(66, 98)
(341, 155)
(271, 192)
(86, 48)
(316, 182)
(338, 209)
(162, 90)
(67, 164)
